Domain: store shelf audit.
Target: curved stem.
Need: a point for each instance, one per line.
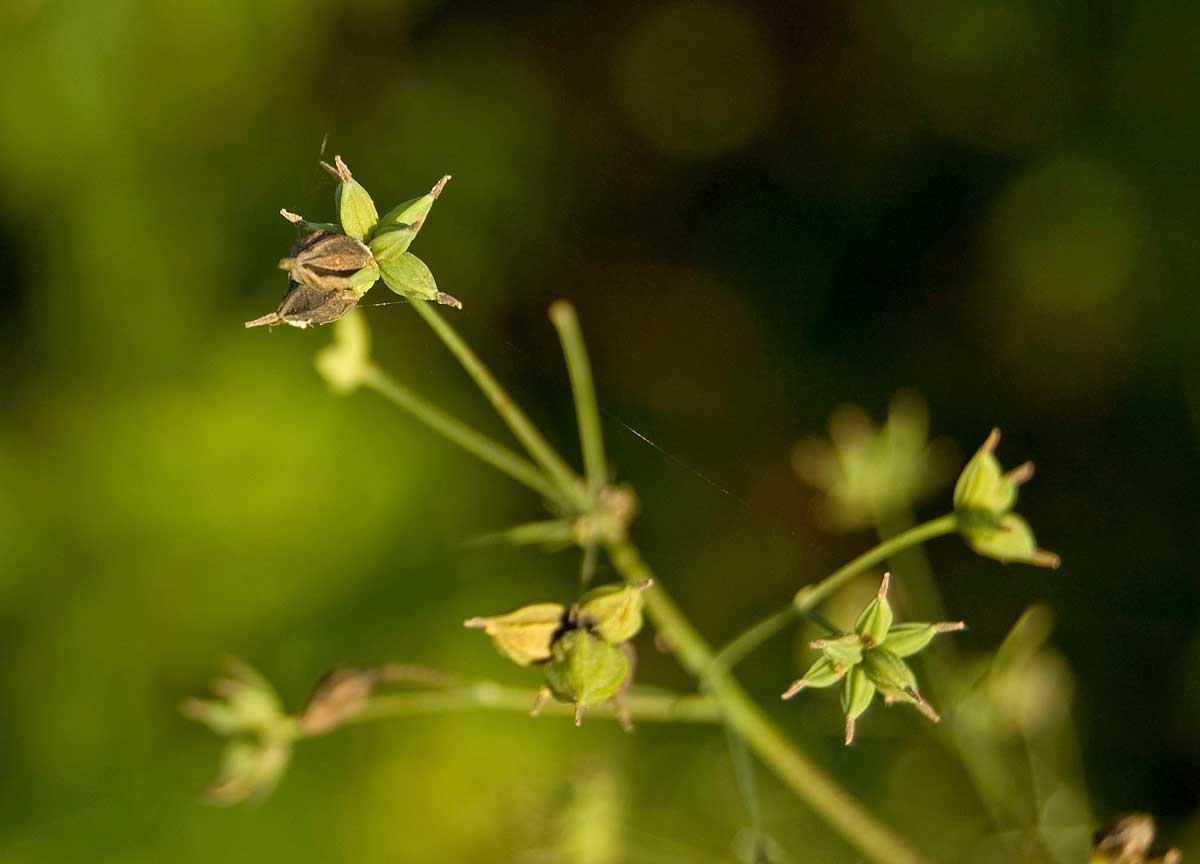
(466, 437)
(531, 439)
(587, 412)
(643, 707)
(844, 813)
(748, 641)
(810, 595)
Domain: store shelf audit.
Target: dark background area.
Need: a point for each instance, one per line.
(762, 211)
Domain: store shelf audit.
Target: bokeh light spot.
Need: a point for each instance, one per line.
(696, 79)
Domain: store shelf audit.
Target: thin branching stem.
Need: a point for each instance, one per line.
(466, 437)
(643, 707)
(587, 412)
(808, 597)
(531, 439)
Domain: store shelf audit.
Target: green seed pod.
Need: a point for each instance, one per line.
(1011, 540)
(823, 673)
(875, 620)
(524, 636)
(400, 225)
(907, 639)
(391, 241)
(356, 210)
(613, 612)
(983, 490)
(407, 275)
(890, 675)
(857, 694)
(843, 651)
(585, 670)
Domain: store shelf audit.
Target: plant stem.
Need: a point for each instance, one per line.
(531, 439)
(748, 641)
(466, 437)
(644, 707)
(810, 595)
(587, 412)
(824, 796)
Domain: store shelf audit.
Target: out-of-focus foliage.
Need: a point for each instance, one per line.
(761, 211)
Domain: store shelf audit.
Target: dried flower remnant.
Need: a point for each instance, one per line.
(1129, 842)
(338, 697)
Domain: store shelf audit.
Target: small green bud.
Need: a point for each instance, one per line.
(907, 639)
(823, 673)
(843, 651)
(585, 670)
(875, 621)
(857, 694)
(356, 210)
(1011, 540)
(525, 635)
(345, 362)
(407, 275)
(613, 612)
(400, 225)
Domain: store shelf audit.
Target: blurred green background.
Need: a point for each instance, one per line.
(761, 210)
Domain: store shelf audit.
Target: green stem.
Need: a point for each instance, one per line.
(587, 412)
(643, 707)
(824, 796)
(531, 439)
(471, 440)
(811, 595)
(748, 641)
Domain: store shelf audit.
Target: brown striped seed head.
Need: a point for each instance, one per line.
(325, 260)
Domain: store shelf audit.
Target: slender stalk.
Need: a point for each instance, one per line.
(810, 595)
(748, 641)
(643, 707)
(821, 793)
(466, 437)
(587, 412)
(531, 439)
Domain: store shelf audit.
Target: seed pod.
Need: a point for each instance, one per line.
(329, 262)
(407, 275)
(823, 673)
(356, 210)
(875, 620)
(907, 639)
(983, 488)
(857, 694)
(525, 635)
(613, 612)
(400, 225)
(1011, 540)
(585, 670)
(890, 675)
(843, 651)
